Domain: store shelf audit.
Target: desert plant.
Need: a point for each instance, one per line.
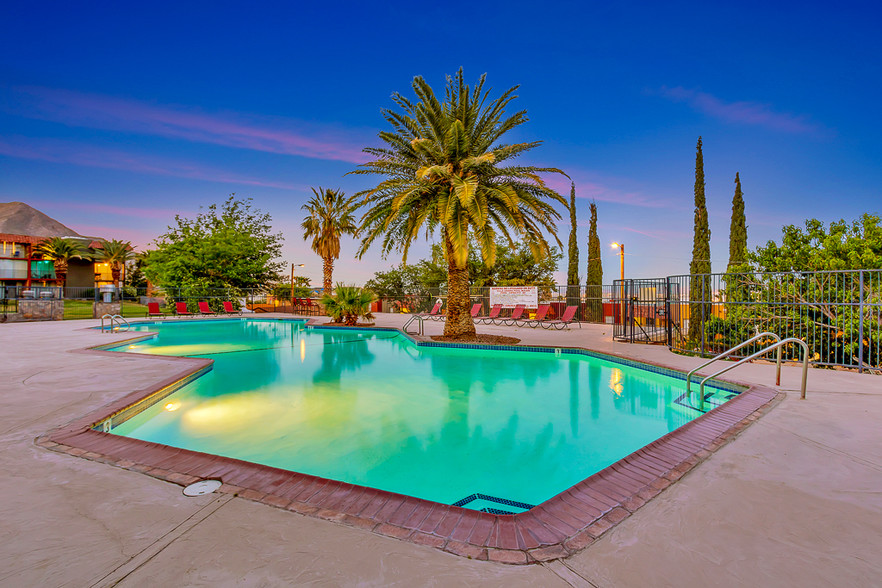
(348, 303)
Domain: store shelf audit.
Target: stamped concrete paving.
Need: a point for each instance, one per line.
(796, 500)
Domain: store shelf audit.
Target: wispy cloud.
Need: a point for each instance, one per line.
(273, 135)
(59, 151)
(603, 191)
(120, 211)
(752, 113)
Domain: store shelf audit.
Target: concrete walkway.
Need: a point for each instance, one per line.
(795, 500)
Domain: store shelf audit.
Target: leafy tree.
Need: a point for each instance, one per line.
(594, 282)
(231, 246)
(573, 280)
(841, 246)
(699, 285)
(793, 292)
(135, 277)
(348, 303)
(61, 250)
(443, 171)
(330, 216)
(116, 254)
(282, 290)
(516, 265)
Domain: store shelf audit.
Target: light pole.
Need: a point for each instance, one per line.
(621, 248)
(293, 265)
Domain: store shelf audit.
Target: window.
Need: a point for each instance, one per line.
(8, 249)
(43, 270)
(11, 269)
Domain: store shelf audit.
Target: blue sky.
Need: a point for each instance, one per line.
(116, 116)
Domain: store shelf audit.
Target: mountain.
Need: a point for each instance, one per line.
(17, 218)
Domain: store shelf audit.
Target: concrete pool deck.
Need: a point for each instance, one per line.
(795, 500)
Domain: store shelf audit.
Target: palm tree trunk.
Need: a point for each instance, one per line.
(459, 321)
(328, 271)
(115, 273)
(60, 271)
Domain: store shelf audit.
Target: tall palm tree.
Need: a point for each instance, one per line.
(61, 250)
(442, 163)
(116, 254)
(330, 216)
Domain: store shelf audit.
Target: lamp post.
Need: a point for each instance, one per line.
(293, 265)
(621, 248)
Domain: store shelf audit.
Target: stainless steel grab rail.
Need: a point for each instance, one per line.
(115, 319)
(778, 345)
(729, 352)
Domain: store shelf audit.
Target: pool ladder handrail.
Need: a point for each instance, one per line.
(115, 319)
(761, 352)
(412, 318)
(729, 352)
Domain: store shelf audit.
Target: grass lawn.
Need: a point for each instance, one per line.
(82, 309)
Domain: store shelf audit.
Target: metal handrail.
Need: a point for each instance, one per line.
(115, 319)
(778, 345)
(119, 320)
(729, 352)
(412, 318)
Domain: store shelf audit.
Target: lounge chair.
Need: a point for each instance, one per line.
(516, 313)
(494, 314)
(228, 308)
(432, 314)
(537, 320)
(476, 308)
(566, 318)
(181, 309)
(153, 310)
(204, 309)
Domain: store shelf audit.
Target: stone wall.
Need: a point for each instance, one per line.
(99, 309)
(41, 310)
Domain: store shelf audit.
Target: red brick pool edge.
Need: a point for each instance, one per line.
(559, 527)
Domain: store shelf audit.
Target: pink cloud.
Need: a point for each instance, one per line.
(139, 239)
(125, 211)
(59, 151)
(752, 113)
(602, 192)
(283, 136)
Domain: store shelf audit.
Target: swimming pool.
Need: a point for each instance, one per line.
(492, 429)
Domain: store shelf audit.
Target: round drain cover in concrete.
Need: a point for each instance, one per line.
(202, 487)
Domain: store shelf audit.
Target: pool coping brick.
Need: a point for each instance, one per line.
(559, 527)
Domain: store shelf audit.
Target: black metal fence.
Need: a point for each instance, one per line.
(646, 311)
(79, 302)
(837, 313)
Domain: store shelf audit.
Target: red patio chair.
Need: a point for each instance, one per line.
(181, 309)
(204, 309)
(228, 308)
(540, 316)
(432, 314)
(476, 308)
(494, 313)
(516, 314)
(153, 310)
(565, 319)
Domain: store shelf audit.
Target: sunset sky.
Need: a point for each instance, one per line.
(114, 116)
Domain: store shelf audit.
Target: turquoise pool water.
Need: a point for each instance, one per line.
(486, 429)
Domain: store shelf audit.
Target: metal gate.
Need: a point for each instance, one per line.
(646, 311)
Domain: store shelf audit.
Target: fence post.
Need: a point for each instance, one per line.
(669, 334)
(703, 307)
(861, 324)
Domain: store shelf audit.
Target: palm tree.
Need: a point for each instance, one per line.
(116, 254)
(330, 216)
(442, 171)
(61, 250)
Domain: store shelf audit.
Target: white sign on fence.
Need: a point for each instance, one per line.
(510, 296)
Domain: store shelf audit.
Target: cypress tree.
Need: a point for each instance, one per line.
(699, 286)
(737, 288)
(737, 231)
(573, 281)
(594, 282)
